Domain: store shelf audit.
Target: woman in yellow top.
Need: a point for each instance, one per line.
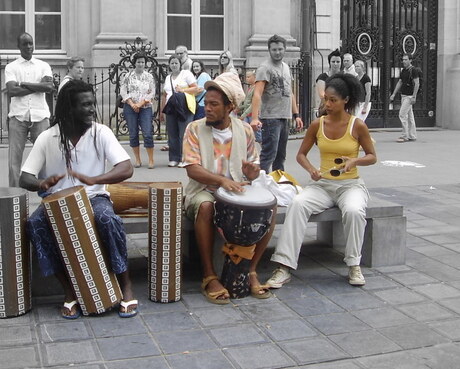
(338, 136)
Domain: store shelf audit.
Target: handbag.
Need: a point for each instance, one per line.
(119, 102)
(179, 104)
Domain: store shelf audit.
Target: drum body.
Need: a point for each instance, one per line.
(243, 219)
(15, 256)
(71, 217)
(130, 198)
(165, 241)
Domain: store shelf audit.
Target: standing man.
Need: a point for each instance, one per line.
(409, 83)
(182, 54)
(348, 66)
(274, 104)
(27, 81)
(74, 151)
(219, 151)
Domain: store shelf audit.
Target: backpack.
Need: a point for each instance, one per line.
(420, 75)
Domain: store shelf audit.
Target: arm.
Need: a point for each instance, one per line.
(32, 183)
(16, 89)
(162, 105)
(199, 174)
(118, 173)
(295, 112)
(416, 87)
(308, 141)
(367, 98)
(361, 132)
(259, 88)
(398, 86)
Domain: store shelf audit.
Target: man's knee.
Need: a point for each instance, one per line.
(206, 212)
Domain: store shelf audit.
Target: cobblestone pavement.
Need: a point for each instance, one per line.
(406, 316)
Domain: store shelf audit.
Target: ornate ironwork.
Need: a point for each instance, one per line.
(118, 71)
(409, 42)
(364, 43)
(409, 3)
(365, 2)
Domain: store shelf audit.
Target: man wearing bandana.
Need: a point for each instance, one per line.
(219, 151)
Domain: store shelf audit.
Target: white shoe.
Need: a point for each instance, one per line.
(181, 164)
(173, 164)
(355, 277)
(280, 276)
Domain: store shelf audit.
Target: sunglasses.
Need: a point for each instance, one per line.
(334, 171)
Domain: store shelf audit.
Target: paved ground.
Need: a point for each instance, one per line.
(406, 316)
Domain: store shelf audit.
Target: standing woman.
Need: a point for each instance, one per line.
(338, 136)
(177, 81)
(364, 106)
(75, 69)
(201, 77)
(226, 63)
(137, 92)
(335, 65)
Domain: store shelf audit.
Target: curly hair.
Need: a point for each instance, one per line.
(64, 116)
(346, 85)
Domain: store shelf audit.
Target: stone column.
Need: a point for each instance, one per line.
(269, 17)
(118, 22)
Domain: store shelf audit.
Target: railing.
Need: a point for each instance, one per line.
(106, 92)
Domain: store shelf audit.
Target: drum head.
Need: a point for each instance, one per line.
(253, 197)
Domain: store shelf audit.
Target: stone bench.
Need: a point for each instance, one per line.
(384, 240)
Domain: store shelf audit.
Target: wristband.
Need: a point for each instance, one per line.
(295, 116)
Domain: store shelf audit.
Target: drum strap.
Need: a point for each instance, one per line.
(237, 252)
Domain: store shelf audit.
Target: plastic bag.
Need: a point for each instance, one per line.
(284, 192)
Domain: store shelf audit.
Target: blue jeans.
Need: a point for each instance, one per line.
(199, 112)
(141, 119)
(275, 134)
(17, 132)
(109, 226)
(176, 130)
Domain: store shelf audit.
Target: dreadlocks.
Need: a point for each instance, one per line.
(64, 117)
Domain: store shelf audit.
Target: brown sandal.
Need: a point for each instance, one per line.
(213, 297)
(255, 290)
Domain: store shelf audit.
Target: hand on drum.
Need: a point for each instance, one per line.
(50, 181)
(82, 178)
(250, 170)
(233, 186)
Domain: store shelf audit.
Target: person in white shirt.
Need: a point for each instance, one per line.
(27, 81)
(74, 151)
(348, 66)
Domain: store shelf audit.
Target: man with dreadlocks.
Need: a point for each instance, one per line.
(74, 151)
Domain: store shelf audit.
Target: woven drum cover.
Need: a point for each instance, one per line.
(71, 217)
(165, 241)
(15, 255)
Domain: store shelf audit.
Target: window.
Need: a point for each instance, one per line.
(40, 18)
(197, 24)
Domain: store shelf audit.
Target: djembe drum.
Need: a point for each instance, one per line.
(71, 217)
(15, 286)
(165, 241)
(242, 218)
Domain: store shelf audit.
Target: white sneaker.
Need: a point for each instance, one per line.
(173, 164)
(355, 277)
(280, 276)
(181, 164)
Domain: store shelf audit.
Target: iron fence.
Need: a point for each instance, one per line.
(107, 110)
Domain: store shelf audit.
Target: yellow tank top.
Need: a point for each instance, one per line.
(329, 150)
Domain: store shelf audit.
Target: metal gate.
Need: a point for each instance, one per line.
(379, 32)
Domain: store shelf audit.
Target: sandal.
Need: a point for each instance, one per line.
(165, 148)
(69, 306)
(255, 290)
(126, 305)
(213, 297)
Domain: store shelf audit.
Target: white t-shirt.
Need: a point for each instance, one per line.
(46, 157)
(184, 79)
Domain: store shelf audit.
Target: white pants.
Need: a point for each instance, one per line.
(359, 110)
(406, 116)
(351, 196)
